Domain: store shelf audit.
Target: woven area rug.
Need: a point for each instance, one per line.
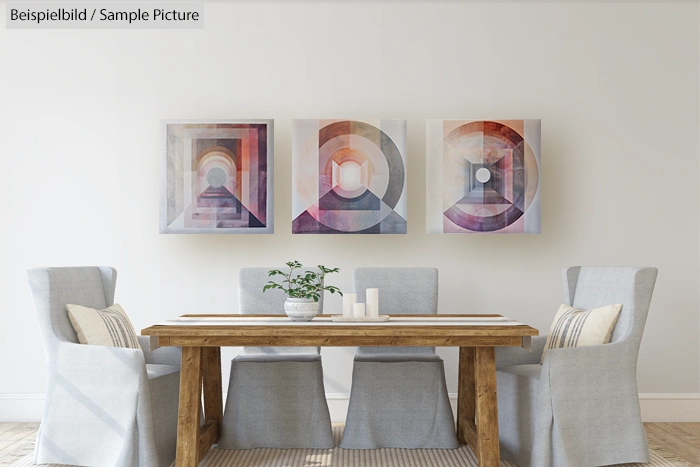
(462, 457)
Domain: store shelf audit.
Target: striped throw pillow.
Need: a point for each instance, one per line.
(110, 327)
(573, 327)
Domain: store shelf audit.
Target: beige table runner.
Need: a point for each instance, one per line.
(326, 321)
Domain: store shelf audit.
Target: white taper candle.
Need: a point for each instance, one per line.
(358, 310)
(372, 303)
(349, 300)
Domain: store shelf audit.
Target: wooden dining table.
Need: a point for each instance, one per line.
(202, 336)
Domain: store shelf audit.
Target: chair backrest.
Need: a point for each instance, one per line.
(401, 291)
(252, 300)
(54, 288)
(591, 287)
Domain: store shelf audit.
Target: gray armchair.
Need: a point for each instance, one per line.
(276, 396)
(581, 406)
(399, 396)
(106, 406)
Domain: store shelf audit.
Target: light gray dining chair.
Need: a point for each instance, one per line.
(399, 396)
(106, 406)
(276, 397)
(580, 407)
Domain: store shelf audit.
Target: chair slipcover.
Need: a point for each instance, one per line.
(399, 395)
(105, 406)
(276, 397)
(581, 406)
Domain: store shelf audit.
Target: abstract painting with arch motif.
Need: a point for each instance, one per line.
(483, 176)
(349, 177)
(218, 177)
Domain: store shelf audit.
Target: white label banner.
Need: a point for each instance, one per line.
(105, 16)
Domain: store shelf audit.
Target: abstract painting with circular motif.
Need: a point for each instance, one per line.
(483, 176)
(349, 177)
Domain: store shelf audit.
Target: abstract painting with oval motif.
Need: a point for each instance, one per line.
(483, 176)
(218, 177)
(349, 177)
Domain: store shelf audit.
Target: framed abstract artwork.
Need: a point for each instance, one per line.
(483, 176)
(217, 177)
(349, 177)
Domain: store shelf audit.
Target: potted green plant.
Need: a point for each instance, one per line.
(303, 289)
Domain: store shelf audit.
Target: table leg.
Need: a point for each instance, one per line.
(213, 403)
(477, 405)
(466, 398)
(190, 406)
(487, 407)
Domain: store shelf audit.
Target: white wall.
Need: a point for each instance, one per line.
(615, 84)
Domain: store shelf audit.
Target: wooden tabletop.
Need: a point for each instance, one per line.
(321, 332)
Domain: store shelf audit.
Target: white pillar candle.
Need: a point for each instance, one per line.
(372, 303)
(358, 310)
(349, 300)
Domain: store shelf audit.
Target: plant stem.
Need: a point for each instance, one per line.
(319, 287)
(289, 279)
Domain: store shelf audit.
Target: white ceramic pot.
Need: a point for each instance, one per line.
(300, 309)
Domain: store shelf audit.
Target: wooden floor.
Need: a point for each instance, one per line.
(682, 439)
(15, 439)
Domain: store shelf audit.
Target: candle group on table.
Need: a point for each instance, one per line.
(352, 309)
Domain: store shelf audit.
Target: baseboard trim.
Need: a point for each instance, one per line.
(664, 407)
(656, 407)
(683, 396)
(21, 407)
